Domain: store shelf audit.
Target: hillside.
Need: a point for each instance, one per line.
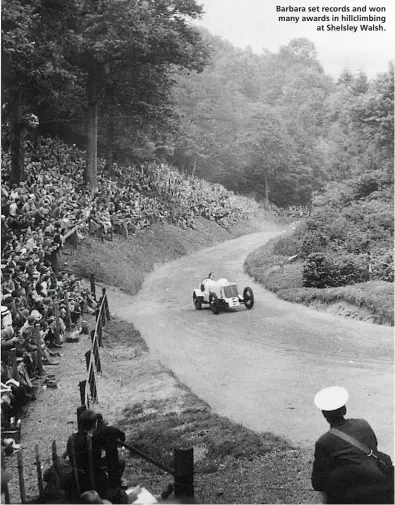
(125, 263)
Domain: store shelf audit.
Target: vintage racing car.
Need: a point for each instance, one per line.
(220, 294)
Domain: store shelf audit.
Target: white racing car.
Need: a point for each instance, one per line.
(221, 294)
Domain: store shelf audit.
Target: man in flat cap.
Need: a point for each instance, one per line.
(342, 471)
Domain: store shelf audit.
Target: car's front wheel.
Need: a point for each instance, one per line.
(213, 303)
(248, 297)
(197, 302)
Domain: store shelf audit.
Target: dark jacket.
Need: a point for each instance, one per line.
(105, 439)
(340, 469)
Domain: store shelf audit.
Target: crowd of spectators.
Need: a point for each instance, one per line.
(159, 193)
(38, 213)
(32, 331)
(126, 201)
(34, 217)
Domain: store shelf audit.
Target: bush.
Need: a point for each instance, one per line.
(383, 268)
(314, 241)
(318, 271)
(350, 270)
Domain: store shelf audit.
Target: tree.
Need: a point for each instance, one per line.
(34, 70)
(268, 151)
(114, 39)
(98, 55)
(346, 78)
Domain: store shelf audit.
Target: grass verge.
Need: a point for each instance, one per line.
(373, 300)
(232, 464)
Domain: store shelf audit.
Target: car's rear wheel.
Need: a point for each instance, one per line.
(248, 297)
(197, 302)
(213, 303)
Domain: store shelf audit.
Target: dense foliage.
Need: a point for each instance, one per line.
(255, 122)
(137, 82)
(349, 235)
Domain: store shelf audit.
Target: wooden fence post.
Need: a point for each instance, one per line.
(87, 359)
(98, 311)
(21, 476)
(93, 285)
(40, 367)
(68, 317)
(39, 472)
(6, 476)
(57, 323)
(55, 458)
(100, 334)
(183, 473)
(96, 351)
(80, 410)
(107, 308)
(82, 386)
(91, 378)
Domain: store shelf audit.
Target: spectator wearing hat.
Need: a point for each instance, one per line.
(343, 472)
(107, 471)
(6, 316)
(8, 341)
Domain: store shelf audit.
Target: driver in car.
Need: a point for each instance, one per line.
(206, 283)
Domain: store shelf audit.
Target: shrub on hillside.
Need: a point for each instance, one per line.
(350, 269)
(321, 271)
(314, 241)
(318, 271)
(383, 267)
(353, 219)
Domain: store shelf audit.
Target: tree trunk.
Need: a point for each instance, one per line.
(16, 141)
(90, 172)
(267, 189)
(110, 146)
(194, 167)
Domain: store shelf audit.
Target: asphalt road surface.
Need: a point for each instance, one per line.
(262, 367)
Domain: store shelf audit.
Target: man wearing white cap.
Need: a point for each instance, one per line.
(342, 470)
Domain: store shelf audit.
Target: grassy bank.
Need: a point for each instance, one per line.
(232, 464)
(372, 301)
(125, 263)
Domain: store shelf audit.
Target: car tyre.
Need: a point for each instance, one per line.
(197, 302)
(248, 297)
(213, 303)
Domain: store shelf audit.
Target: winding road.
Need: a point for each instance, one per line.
(262, 367)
